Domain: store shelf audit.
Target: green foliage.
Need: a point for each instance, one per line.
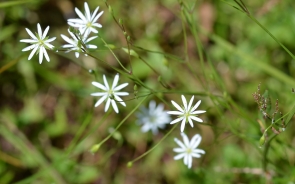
(218, 51)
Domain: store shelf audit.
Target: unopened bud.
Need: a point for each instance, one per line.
(129, 164)
(262, 140)
(110, 9)
(120, 21)
(94, 148)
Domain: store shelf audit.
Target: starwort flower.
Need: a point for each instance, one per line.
(188, 149)
(187, 113)
(153, 117)
(111, 94)
(87, 23)
(78, 44)
(39, 43)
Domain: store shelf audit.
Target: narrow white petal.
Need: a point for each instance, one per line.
(190, 122)
(50, 40)
(94, 13)
(185, 139)
(87, 11)
(180, 143)
(90, 39)
(31, 34)
(106, 82)
(196, 119)
(29, 41)
(120, 100)
(40, 55)
(100, 86)
(39, 30)
(45, 54)
(80, 14)
(100, 100)
(195, 141)
(175, 112)
(190, 103)
(177, 106)
(199, 151)
(107, 105)
(115, 82)
(115, 107)
(121, 93)
(33, 52)
(45, 33)
(196, 155)
(196, 106)
(177, 120)
(98, 94)
(184, 102)
(185, 159)
(77, 54)
(182, 125)
(190, 161)
(178, 150)
(91, 46)
(121, 86)
(97, 16)
(179, 156)
(29, 47)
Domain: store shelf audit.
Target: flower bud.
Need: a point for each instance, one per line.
(262, 140)
(129, 164)
(94, 148)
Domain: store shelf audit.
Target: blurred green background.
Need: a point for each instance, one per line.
(48, 123)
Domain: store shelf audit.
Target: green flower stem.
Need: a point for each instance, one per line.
(121, 123)
(150, 150)
(85, 123)
(126, 70)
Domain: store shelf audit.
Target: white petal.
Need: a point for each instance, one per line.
(115, 106)
(120, 100)
(87, 11)
(97, 16)
(80, 15)
(190, 122)
(106, 82)
(77, 54)
(100, 86)
(45, 54)
(94, 13)
(178, 150)
(199, 151)
(177, 106)
(177, 120)
(184, 102)
(107, 105)
(179, 156)
(39, 31)
(121, 93)
(33, 52)
(121, 86)
(190, 161)
(190, 103)
(195, 141)
(40, 55)
(175, 112)
(180, 143)
(196, 119)
(196, 106)
(29, 41)
(31, 34)
(29, 47)
(100, 100)
(182, 125)
(115, 82)
(185, 139)
(45, 33)
(98, 94)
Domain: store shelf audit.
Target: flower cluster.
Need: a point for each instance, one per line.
(78, 43)
(152, 118)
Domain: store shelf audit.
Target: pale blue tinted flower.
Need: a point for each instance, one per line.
(153, 118)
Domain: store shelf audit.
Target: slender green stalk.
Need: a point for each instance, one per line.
(154, 147)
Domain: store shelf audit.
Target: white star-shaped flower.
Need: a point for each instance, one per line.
(111, 94)
(187, 113)
(78, 44)
(39, 43)
(153, 117)
(87, 23)
(188, 149)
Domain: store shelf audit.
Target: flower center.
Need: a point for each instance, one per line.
(89, 24)
(188, 150)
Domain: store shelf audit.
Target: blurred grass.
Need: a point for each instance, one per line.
(206, 48)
